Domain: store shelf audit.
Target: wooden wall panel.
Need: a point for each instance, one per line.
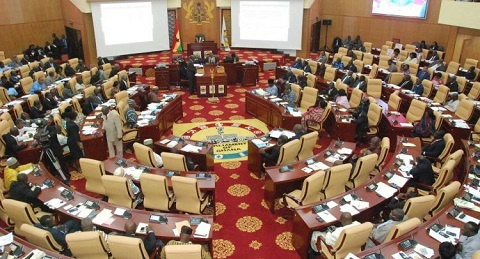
(211, 30)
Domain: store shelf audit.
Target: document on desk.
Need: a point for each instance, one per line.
(319, 166)
(402, 255)
(6, 239)
(344, 151)
(164, 141)
(326, 216)
(172, 143)
(275, 133)
(84, 213)
(133, 172)
(55, 203)
(466, 218)
(349, 208)
(102, 217)
(404, 157)
(294, 113)
(259, 143)
(191, 148)
(398, 180)
(360, 205)
(203, 230)
(423, 250)
(384, 190)
(408, 144)
(406, 124)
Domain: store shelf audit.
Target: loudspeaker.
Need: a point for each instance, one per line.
(327, 22)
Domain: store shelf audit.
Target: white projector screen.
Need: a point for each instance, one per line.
(270, 24)
(126, 27)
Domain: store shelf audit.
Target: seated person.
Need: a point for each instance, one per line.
(351, 54)
(12, 145)
(299, 132)
(438, 65)
(360, 83)
(405, 69)
(374, 146)
(12, 170)
(338, 64)
(23, 129)
(49, 103)
(79, 86)
(426, 127)
(123, 85)
(38, 85)
(313, 115)
(152, 96)
(435, 148)
(298, 63)
(447, 250)
(69, 71)
(437, 79)
(322, 58)
(50, 78)
(423, 74)
(331, 236)
(98, 96)
(453, 84)
(350, 66)
(62, 139)
(9, 86)
(342, 99)
(422, 172)
(348, 78)
(272, 88)
(185, 235)
(289, 96)
(149, 143)
(395, 54)
(380, 232)
(211, 59)
(391, 66)
(131, 116)
(452, 102)
(469, 241)
(331, 91)
(67, 91)
(271, 158)
(22, 190)
(114, 71)
(418, 87)
(470, 74)
(412, 58)
(306, 68)
(115, 89)
(36, 112)
(406, 82)
(149, 241)
(433, 56)
(59, 232)
(398, 202)
(302, 81)
(290, 77)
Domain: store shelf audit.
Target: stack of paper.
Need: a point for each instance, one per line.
(297, 113)
(203, 230)
(408, 144)
(319, 166)
(260, 92)
(55, 203)
(398, 180)
(384, 190)
(133, 172)
(360, 205)
(326, 216)
(349, 208)
(191, 148)
(406, 124)
(164, 141)
(141, 228)
(259, 143)
(344, 151)
(172, 144)
(423, 250)
(104, 217)
(402, 255)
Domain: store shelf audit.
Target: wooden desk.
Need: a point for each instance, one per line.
(338, 126)
(268, 112)
(208, 86)
(305, 222)
(204, 158)
(239, 73)
(278, 183)
(95, 145)
(162, 77)
(28, 247)
(162, 231)
(202, 47)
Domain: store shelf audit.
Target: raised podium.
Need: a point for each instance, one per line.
(212, 82)
(199, 49)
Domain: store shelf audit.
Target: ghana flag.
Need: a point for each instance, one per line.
(177, 43)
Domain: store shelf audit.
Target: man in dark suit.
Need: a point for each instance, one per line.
(36, 112)
(453, 84)
(406, 83)
(102, 61)
(49, 102)
(360, 83)
(115, 70)
(331, 92)
(191, 71)
(422, 172)
(299, 132)
(270, 159)
(21, 190)
(348, 78)
(290, 77)
(49, 64)
(59, 232)
(149, 241)
(11, 143)
(123, 83)
(436, 147)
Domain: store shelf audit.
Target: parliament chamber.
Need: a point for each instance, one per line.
(221, 151)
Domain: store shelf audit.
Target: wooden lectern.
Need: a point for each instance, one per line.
(202, 47)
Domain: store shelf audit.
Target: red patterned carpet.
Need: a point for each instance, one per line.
(244, 227)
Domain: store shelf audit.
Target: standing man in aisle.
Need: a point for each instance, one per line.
(113, 129)
(191, 71)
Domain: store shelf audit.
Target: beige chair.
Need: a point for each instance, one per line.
(384, 149)
(21, 213)
(443, 198)
(474, 91)
(3, 214)
(107, 68)
(311, 80)
(368, 46)
(413, 69)
(309, 193)
(402, 229)
(374, 88)
(180, 252)
(330, 74)
(309, 98)
(121, 96)
(449, 143)
(17, 110)
(4, 129)
(38, 75)
(345, 60)
(403, 55)
(438, 124)
(383, 61)
(157, 195)
(4, 97)
(336, 179)
(313, 66)
(350, 240)
(442, 94)
(288, 152)
(373, 72)
(395, 78)
(31, 100)
(122, 107)
(374, 117)
(418, 207)
(76, 105)
(415, 111)
(462, 97)
(363, 168)
(355, 98)
(462, 82)
(73, 62)
(359, 54)
(453, 67)
(339, 85)
(476, 255)
(144, 155)
(343, 51)
(60, 88)
(63, 106)
(318, 126)
(298, 92)
(123, 247)
(297, 72)
(465, 110)
(24, 71)
(189, 198)
(88, 245)
(455, 156)
(26, 83)
(93, 170)
(41, 238)
(118, 191)
(475, 133)
(470, 62)
(7, 117)
(367, 60)
(307, 144)
(175, 162)
(86, 77)
(427, 88)
(34, 64)
(88, 91)
(107, 89)
(125, 73)
(410, 48)
(394, 102)
(359, 65)
(444, 177)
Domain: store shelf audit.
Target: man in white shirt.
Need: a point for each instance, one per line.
(453, 102)
(114, 131)
(332, 236)
(469, 241)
